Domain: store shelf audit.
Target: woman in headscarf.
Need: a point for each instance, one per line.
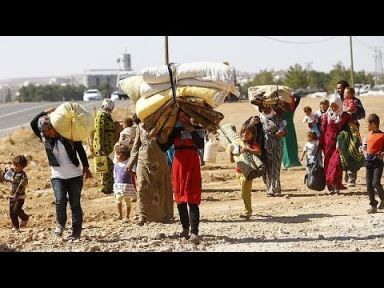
(271, 130)
(67, 174)
(104, 142)
(290, 151)
(186, 175)
(153, 184)
(332, 123)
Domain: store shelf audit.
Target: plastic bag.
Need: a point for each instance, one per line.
(72, 121)
(315, 177)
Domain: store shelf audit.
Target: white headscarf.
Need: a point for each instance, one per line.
(107, 106)
(335, 116)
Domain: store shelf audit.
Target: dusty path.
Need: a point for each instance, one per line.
(301, 220)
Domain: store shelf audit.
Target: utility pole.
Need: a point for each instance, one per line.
(350, 45)
(166, 50)
(376, 66)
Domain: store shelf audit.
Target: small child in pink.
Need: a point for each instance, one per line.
(349, 104)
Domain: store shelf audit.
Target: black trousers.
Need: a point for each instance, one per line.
(373, 177)
(193, 217)
(16, 211)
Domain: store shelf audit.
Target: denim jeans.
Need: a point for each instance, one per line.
(72, 187)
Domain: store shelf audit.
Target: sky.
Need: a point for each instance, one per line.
(41, 56)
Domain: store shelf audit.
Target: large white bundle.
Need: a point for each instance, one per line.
(147, 90)
(131, 86)
(72, 121)
(229, 87)
(204, 71)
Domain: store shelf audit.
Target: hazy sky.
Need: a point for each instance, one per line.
(35, 56)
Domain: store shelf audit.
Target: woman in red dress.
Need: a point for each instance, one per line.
(186, 175)
(332, 123)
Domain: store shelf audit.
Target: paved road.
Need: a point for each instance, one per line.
(16, 115)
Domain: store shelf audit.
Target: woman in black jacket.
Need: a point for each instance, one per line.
(66, 172)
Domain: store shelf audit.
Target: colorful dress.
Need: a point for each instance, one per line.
(332, 162)
(103, 144)
(273, 154)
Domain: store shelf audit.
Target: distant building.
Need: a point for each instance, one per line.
(96, 78)
(62, 81)
(99, 77)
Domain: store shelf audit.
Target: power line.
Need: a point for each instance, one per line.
(300, 42)
(377, 37)
(366, 45)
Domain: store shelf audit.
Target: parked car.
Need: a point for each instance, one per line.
(116, 95)
(92, 94)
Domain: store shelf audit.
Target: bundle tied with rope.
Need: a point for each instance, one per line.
(197, 94)
(275, 96)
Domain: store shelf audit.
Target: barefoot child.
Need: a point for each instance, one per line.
(122, 188)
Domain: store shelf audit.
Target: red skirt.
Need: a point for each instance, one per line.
(186, 176)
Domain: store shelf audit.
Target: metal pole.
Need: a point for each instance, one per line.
(350, 45)
(376, 66)
(166, 51)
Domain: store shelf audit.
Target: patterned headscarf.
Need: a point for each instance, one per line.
(107, 106)
(335, 116)
(44, 124)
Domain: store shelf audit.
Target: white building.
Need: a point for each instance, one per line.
(96, 78)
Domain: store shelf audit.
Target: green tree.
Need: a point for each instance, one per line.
(296, 77)
(363, 78)
(336, 74)
(264, 77)
(32, 93)
(317, 80)
(105, 90)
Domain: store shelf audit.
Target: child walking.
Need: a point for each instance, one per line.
(374, 154)
(249, 135)
(18, 179)
(123, 188)
(310, 148)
